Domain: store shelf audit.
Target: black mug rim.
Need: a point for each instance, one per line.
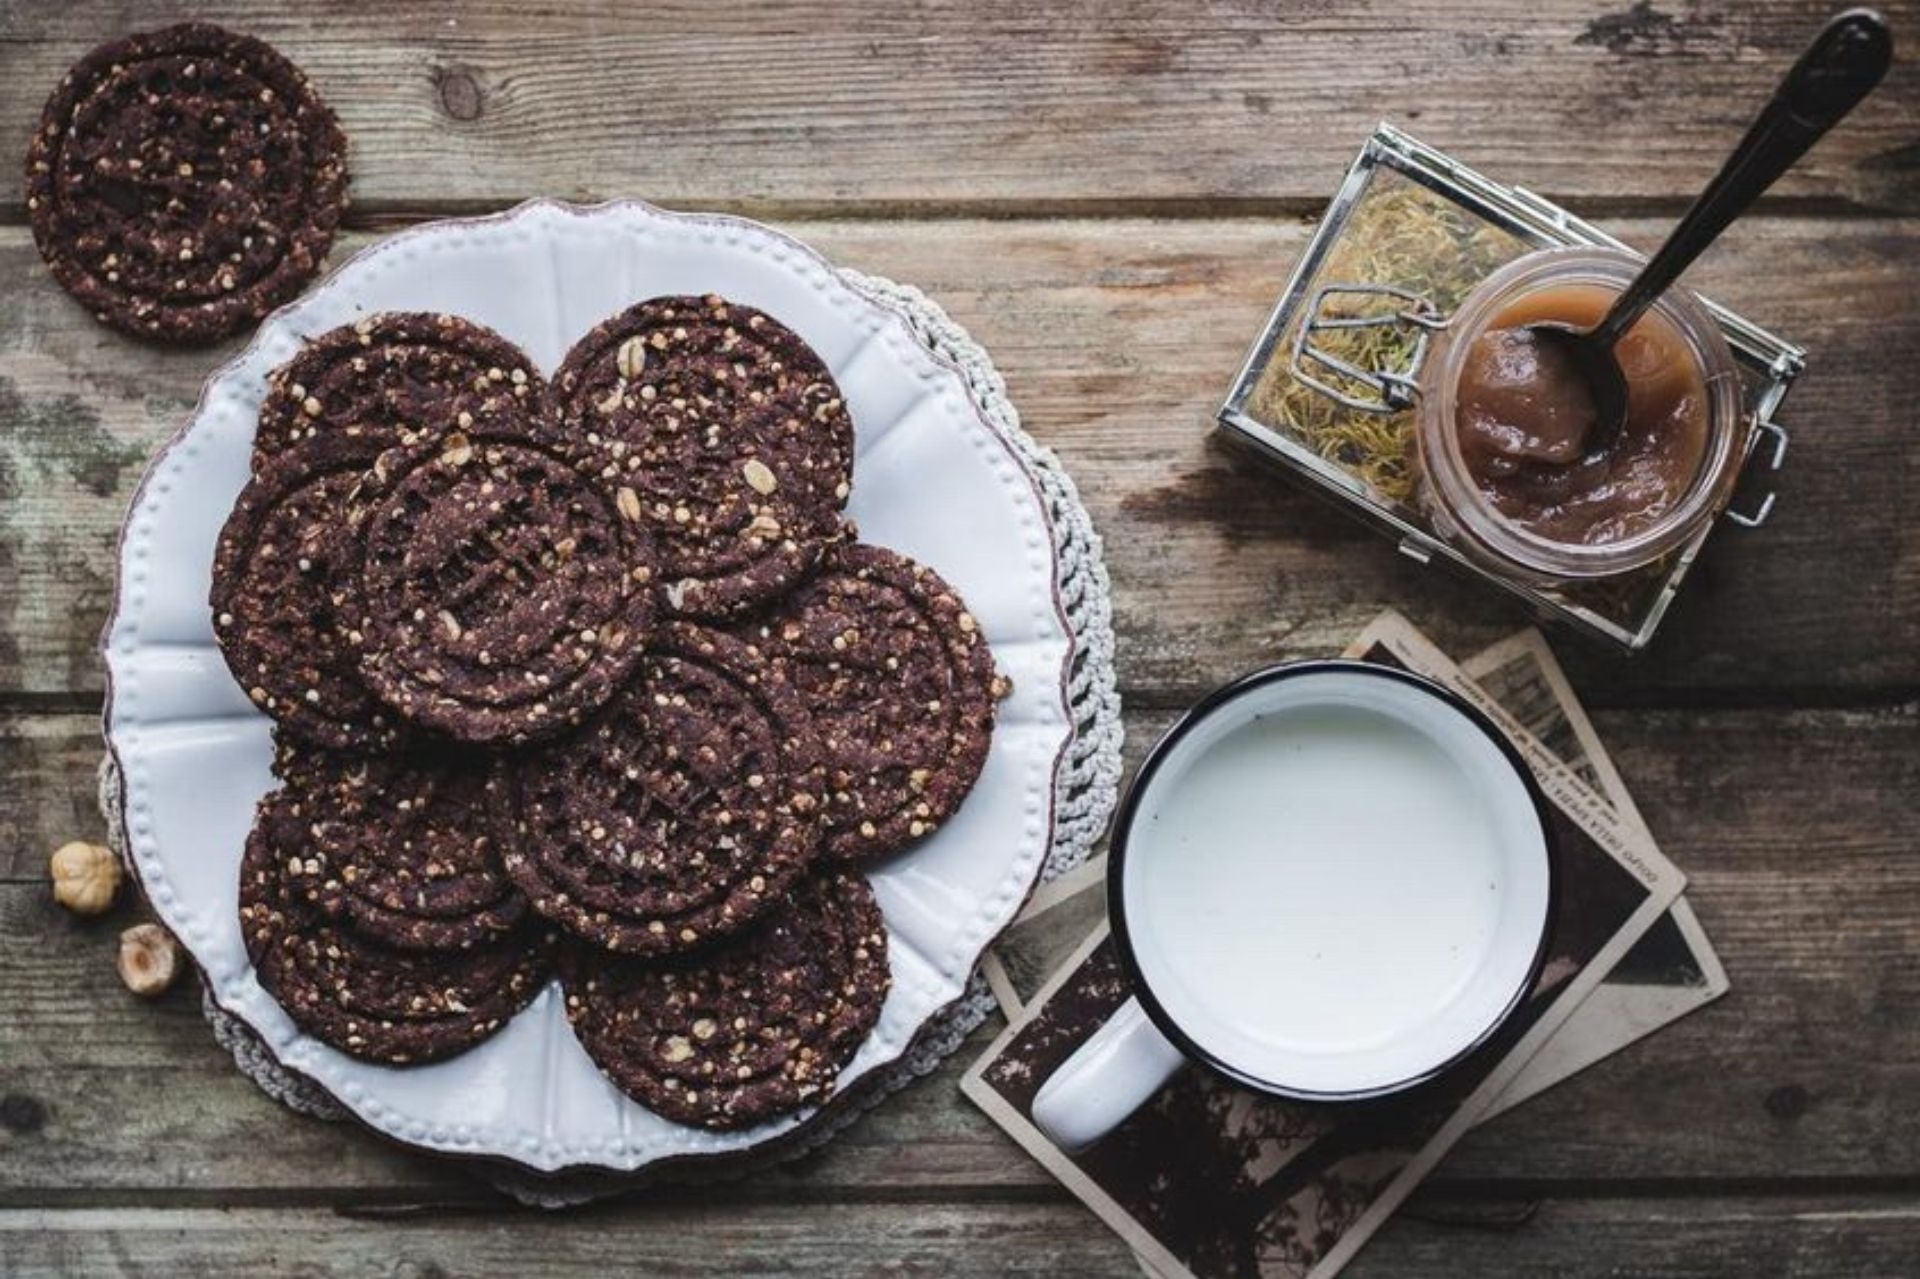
(1204, 709)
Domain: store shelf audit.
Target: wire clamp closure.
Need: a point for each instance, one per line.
(1393, 389)
(1758, 516)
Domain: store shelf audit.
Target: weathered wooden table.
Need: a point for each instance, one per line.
(1109, 196)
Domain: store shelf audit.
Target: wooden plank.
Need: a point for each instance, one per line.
(1000, 104)
(1119, 338)
(48, 793)
(1804, 868)
(100, 1090)
(1788, 830)
(1810, 1238)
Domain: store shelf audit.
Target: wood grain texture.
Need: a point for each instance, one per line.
(1110, 197)
(47, 795)
(926, 106)
(1806, 878)
(1810, 1238)
(1118, 339)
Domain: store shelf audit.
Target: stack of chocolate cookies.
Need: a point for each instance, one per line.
(586, 677)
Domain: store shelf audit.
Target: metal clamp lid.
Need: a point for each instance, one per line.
(1394, 389)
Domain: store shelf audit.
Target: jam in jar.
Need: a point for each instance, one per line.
(1510, 468)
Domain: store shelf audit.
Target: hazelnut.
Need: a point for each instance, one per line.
(149, 959)
(631, 358)
(86, 877)
(456, 450)
(759, 476)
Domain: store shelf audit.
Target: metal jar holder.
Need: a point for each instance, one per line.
(1624, 614)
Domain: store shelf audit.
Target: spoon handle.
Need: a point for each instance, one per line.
(1841, 66)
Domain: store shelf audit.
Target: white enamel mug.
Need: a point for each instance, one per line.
(1328, 881)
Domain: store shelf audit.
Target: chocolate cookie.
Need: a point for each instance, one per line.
(366, 998)
(901, 687)
(727, 434)
(754, 1027)
(185, 182)
(404, 848)
(400, 377)
(679, 814)
(286, 540)
(502, 596)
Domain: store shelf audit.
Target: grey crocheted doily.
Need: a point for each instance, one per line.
(1087, 786)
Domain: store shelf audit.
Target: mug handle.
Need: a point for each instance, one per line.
(1106, 1079)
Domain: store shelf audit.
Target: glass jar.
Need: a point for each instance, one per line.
(1462, 513)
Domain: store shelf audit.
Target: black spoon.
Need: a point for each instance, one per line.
(1841, 66)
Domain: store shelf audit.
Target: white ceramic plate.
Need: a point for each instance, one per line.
(931, 479)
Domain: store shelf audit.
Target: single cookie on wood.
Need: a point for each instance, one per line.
(405, 848)
(502, 595)
(753, 1027)
(291, 534)
(722, 429)
(368, 999)
(682, 812)
(901, 687)
(399, 377)
(185, 182)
